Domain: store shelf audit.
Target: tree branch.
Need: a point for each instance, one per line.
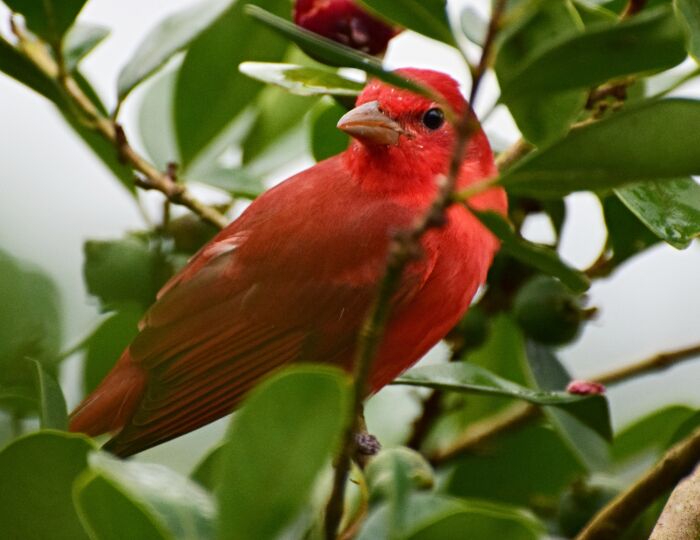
(613, 519)
(86, 112)
(680, 518)
(519, 414)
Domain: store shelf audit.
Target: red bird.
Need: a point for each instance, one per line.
(292, 278)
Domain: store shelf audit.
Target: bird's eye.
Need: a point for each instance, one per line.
(434, 118)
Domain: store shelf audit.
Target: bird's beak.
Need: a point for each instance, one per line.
(369, 124)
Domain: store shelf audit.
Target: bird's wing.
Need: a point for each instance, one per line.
(291, 280)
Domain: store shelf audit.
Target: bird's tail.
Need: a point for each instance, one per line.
(110, 406)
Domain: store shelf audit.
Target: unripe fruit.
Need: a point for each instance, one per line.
(547, 311)
(345, 22)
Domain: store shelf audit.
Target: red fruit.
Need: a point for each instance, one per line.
(343, 21)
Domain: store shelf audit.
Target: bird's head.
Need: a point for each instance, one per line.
(403, 140)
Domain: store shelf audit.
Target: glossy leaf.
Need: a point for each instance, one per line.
(279, 113)
(650, 41)
(326, 139)
(80, 41)
(689, 13)
(333, 53)
(433, 516)
(277, 445)
(210, 90)
(541, 118)
(586, 425)
(37, 473)
(173, 503)
(108, 513)
(301, 80)
(30, 327)
(49, 19)
(123, 271)
(538, 256)
(207, 472)
(633, 441)
(622, 149)
(627, 236)
(669, 208)
(482, 521)
(393, 475)
(505, 474)
(51, 403)
(427, 17)
(106, 344)
(240, 182)
(466, 377)
(169, 36)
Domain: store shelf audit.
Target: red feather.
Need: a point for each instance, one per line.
(291, 280)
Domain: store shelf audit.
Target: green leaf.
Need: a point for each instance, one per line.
(169, 36)
(80, 41)
(276, 446)
(155, 120)
(210, 91)
(301, 80)
(466, 377)
(538, 256)
(689, 12)
(505, 473)
(621, 149)
(326, 139)
(49, 19)
(650, 41)
(427, 17)
(393, 474)
(433, 516)
(586, 425)
(333, 53)
(52, 404)
(37, 474)
(633, 442)
(170, 502)
(541, 118)
(207, 472)
(279, 113)
(482, 521)
(669, 208)
(627, 236)
(106, 344)
(240, 182)
(123, 271)
(30, 327)
(108, 513)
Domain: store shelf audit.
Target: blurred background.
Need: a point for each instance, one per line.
(55, 195)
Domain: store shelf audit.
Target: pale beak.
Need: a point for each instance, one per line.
(369, 124)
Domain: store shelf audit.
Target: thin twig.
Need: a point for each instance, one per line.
(680, 518)
(86, 112)
(614, 518)
(485, 60)
(515, 416)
